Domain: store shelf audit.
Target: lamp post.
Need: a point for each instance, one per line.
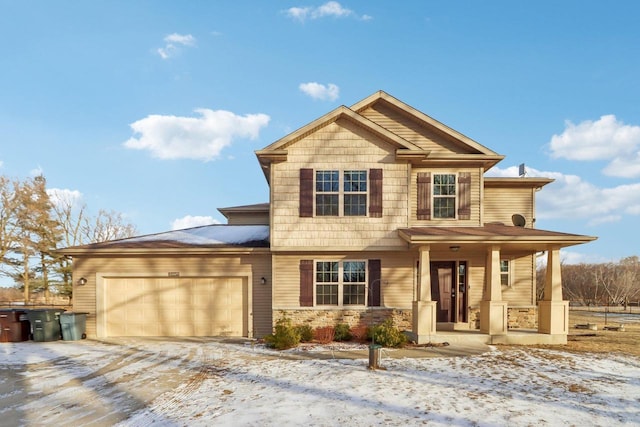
(374, 349)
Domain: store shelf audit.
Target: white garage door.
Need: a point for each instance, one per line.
(173, 307)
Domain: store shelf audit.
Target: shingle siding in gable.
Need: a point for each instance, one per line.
(338, 147)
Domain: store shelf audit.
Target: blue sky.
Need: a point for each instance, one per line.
(154, 108)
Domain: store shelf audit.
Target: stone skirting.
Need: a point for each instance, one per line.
(523, 317)
(352, 317)
(517, 317)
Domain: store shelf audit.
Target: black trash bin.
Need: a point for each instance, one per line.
(73, 325)
(14, 326)
(45, 324)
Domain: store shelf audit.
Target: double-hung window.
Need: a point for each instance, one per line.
(505, 272)
(444, 195)
(355, 193)
(327, 193)
(341, 283)
(341, 193)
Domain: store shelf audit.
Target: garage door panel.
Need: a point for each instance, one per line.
(175, 306)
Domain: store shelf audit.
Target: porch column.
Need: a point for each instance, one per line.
(553, 312)
(424, 309)
(493, 311)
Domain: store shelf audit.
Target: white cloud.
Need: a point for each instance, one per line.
(604, 139)
(173, 42)
(570, 197)
(192, 221)
(330, 92)
(298, 13)
(329, 9)
(201, 138)
(64, 196)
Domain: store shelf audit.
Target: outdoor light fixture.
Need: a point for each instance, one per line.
(454, 248)
(82, 281)
(263, 280)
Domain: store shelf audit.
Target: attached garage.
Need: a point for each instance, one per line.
(173, 307)
(205, 281)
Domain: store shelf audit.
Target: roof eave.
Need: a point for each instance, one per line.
(162, 251)
(428, 158)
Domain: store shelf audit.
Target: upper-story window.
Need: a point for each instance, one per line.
(352, 193)
(444, 195)
(341, 193)
(327, 193)
(355, 193)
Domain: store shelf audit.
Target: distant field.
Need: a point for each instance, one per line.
(603, 341)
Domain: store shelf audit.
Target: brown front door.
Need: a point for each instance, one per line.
(443, 289)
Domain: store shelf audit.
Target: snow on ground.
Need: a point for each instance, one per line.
(245, 385)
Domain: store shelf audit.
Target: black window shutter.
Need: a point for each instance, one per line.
(306, 283)
(375, 275)
(424, 195)
(306, 192)
(375, 193)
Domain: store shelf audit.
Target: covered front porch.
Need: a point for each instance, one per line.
(489, 242)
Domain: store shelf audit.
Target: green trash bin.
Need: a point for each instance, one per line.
(73, 325)
(45, 324)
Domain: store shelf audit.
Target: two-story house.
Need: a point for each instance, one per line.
(375, 211)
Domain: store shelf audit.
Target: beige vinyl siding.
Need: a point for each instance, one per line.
(397, 277)
(520, 291)
(338, 146)
(417, 133)
(476, 183)
(248, 218)
(252, 266)
(522, 279)
(500, 203)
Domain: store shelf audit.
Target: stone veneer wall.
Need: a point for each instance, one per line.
(522, 317)
(517, 317)
(365, 317)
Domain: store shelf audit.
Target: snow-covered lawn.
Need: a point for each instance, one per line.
(204, 382)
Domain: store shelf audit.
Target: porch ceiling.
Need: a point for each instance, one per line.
(507, 237)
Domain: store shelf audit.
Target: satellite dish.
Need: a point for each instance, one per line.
(518, 220)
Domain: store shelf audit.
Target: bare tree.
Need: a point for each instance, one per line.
(79, 228)
(107, 226)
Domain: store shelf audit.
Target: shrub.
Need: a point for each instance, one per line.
(387, 334)
(285, 335)
(324, 334)
(359, 333)
(305, 332)
(342, 332)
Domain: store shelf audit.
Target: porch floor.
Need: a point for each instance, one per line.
(513, 336)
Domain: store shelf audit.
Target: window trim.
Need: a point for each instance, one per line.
(341, 193)
(508, 273)
(341, 283)
(455, 197)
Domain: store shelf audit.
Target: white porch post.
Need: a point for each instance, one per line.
(493, 311)
(424, 309)
(553, 312)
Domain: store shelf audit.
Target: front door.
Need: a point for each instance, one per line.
(443, 289)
